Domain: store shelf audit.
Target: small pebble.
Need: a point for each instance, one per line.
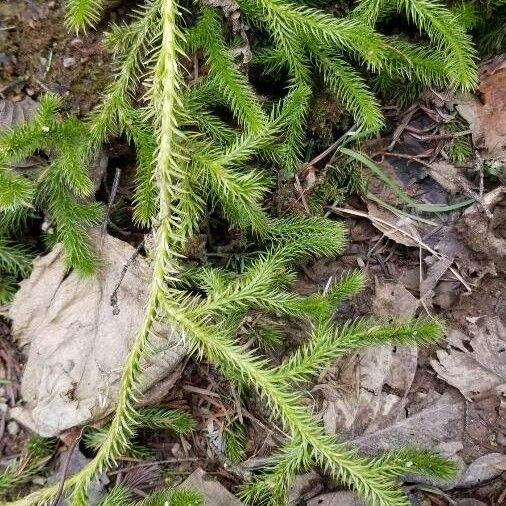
(3, 407)
(69, 62)
(12, 428)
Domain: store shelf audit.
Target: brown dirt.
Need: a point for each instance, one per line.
(37, 55)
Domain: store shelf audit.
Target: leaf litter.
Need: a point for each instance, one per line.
(371, 395)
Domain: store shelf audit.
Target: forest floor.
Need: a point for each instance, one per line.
(450, 265)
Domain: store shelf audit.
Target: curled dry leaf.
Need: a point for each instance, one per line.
(475, 360)
(78, 344)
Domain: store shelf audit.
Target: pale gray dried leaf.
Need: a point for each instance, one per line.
(453, 245)
(362, 400)
(78, 346)
(371, 390)
(14, 113)
(486, 234)
(303, 485)
(446, 175)
(214, 493)
(484, 469)
(438, 425)
(432, 276)
(392, 300)
(475, 360)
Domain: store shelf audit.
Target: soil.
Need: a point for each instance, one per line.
(38, 55)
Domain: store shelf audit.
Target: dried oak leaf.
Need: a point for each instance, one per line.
(374, 383)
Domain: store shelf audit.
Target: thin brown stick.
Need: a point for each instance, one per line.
(71, 450)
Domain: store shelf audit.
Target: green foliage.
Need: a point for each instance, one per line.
(117, 496)
(190, 158)
(95, 438)
(63, 188)
(35, 456)
(182, 497)
(15, 262)
(120, 496)
(460, 147)
(230, 82)
(174, 420)
(486, 21)
(82, 14)
(235, 442)
(153, 418)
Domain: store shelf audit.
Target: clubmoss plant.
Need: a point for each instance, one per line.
(121, 496)
(190, 157)
(21, 470)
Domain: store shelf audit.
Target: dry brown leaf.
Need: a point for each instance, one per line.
(487, 119)
(433, 275)
(370, 392)
(437, 425)
(474, 361)
(450, 178)
(77, 344)
(452, 245)
(374, 383)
